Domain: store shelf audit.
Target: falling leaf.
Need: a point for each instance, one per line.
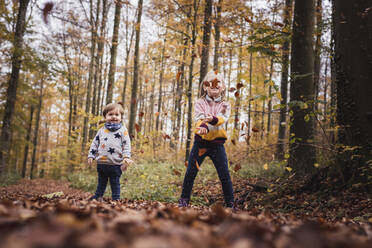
(197, 165)
(278, 24)
(266, 166)
(178, 75)
(237, 94)
(166, 136)
(138, 127)
(215, 83)
(242, 128)
(237, 167)
(146, 80)
(157, 114)
(255, 129)
(215, 72)
(234, 142)
(48, 6)
(247, 19)
(186, 163)
(232, 89)
(202, 151)
(227, 39)
(176, 172)
(239, 85)
(141, 114)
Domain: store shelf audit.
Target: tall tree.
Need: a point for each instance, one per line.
(27, 141)
(133, 105)
(11, 92)
(217, 34)
(93, 30)
(284, 81)
(317, 51)
(302, 152)
(37, 125)
(189, 88)
(114, 48)
(353, 66)
(206, 39)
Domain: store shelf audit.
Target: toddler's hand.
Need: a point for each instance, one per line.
(208, 118)
(202, 130)
(126, 163)
(90, 161)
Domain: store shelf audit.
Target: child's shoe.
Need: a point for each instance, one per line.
(233, 206)
(183, 202)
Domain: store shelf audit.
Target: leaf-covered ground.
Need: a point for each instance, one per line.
(46, 213)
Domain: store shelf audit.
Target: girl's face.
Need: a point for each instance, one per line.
(214, 88)
(113, 116)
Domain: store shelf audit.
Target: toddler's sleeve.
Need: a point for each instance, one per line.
(126, 144)
(93, 150)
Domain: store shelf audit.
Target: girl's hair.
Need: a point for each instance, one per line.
(209, 77)
(112, 106)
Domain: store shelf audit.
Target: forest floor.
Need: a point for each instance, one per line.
(48, 213)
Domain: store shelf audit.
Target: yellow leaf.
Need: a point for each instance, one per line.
(288, 169)
(286, 156)
(266, 166)
(316, 165)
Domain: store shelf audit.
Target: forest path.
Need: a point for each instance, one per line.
(48, 213)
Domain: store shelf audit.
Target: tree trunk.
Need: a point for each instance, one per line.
(11, 93)
(114, 48)
(36, 131)
(189, 89)
(99, 59)
(206, 40)
(302, 153)
(28, 139)
(90, 77)
(317, 53)
(161, 84)
(217, 35)
(128, 45)
(284, 83)
(353, 67)
(133, 102)
(269, 104)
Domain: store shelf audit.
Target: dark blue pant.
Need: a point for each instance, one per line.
(217, 154)
(106, 172)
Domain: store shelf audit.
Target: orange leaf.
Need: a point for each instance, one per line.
(146, 80)
(237, 94)
(242, 128)
(237, 167)
(157, 114)
(232, 89)
(166, 136)
(178, 75)
(239, 85)
(278, 24)
(176, 172)
(186, 163)
(215, 83)
(46, 11)
(141, 114)
(247, 20)
(197, 165)
(255, 129)
(138, 127)
(202, 151)
(234, 142)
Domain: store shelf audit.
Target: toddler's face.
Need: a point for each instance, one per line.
(113, 116)
(214, 88)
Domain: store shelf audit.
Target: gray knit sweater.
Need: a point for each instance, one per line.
(110, 147)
